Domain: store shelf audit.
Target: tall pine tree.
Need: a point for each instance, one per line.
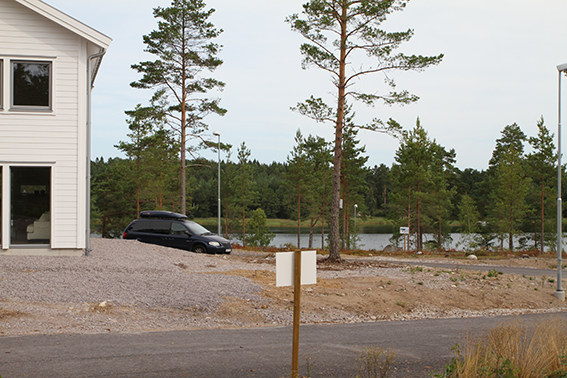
(347, 33)
(184, 50)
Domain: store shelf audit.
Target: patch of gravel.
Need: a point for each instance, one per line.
(125, 273)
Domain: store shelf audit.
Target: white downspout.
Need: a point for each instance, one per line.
(90, 84)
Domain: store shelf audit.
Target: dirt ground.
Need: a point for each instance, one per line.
(378, 290)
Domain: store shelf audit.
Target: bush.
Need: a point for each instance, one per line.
(258, 233)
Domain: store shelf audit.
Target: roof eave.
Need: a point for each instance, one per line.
(68, 22)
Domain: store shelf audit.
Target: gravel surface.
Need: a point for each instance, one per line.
(124, 273)
(128, 286)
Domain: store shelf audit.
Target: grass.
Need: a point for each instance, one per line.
(513, 350)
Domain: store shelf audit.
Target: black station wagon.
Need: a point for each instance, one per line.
(174, 230)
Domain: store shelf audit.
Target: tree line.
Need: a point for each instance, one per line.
(422, 189)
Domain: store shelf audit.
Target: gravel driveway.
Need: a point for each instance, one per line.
(123, 272)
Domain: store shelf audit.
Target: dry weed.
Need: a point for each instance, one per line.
(513, 350)
(375, 362)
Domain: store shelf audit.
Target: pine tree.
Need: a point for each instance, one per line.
(542, 169)
(353, 184)
(247, 194)
(296, 179)
(509, 193)
(343, 33)
(317, 187)
(184, 51)
(421, 197)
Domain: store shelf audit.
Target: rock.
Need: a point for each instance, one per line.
(472, 257)
(391, 248)
(525, 256)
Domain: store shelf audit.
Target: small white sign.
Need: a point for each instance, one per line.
(404, 230)
(285, 267)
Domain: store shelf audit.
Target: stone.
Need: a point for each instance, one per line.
(391, 248)
(472, 257)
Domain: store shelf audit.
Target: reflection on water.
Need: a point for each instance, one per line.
(367, 241)
(370, 241)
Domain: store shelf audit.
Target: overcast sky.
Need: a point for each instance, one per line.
(499, 68)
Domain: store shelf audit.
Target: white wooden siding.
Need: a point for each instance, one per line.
(28, 138)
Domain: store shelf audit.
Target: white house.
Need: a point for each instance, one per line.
(48, 64)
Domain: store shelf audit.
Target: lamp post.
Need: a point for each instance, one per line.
(217, 134)
(559, 293)
(355, 206)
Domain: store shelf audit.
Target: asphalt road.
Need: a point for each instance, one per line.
(422, 346)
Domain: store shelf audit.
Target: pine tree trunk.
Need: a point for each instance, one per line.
(334, 253)
(183, 147)
(418, 219)
(299, 214)
(243, 207)
(541, 245)
(311, 235)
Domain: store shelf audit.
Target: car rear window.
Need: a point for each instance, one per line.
(151, 226)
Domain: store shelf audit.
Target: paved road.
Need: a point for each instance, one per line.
(422, 346)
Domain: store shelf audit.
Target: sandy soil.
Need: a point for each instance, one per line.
(361, 291)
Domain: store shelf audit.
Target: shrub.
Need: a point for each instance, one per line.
(258, 232)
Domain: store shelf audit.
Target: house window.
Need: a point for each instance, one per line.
(31, 84)
(30, 205)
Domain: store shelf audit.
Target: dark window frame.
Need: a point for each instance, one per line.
(13, 95)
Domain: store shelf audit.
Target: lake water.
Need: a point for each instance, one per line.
(369, 241)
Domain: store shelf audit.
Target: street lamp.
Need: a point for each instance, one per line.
(217, 134)
(355, 206)
(559, 293)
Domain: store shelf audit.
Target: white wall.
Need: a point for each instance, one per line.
(48, 138)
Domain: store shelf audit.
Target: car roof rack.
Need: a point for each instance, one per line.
(161, 214)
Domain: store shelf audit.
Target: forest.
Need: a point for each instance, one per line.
(515, 197)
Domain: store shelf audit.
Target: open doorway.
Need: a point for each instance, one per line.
(30, 205)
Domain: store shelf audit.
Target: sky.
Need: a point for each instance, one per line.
(499, 68)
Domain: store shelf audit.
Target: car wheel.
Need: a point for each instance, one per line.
(199, 249)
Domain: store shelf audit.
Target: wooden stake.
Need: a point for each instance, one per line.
(296, 313)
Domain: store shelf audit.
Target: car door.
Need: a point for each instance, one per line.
(159, 232)
(180, 237)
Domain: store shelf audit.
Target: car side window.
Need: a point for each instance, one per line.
(160, 227)
(178, 229)
(141, 226)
